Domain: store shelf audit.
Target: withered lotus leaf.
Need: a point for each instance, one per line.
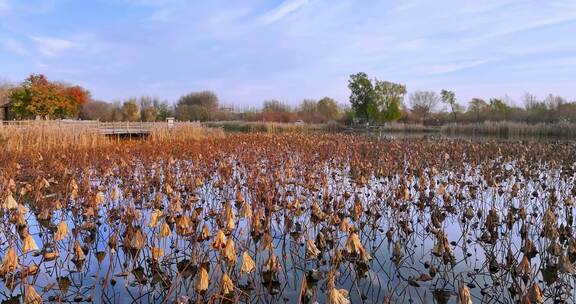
(230, 252)
(248, 264)
(29, 244)
(464, 296)
(31, 296)
(9, 202)
(338, 296)
(227, 286)
(62, 231)
(202, 281)
(10, 261)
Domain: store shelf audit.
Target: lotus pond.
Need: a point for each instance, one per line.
(291, 218)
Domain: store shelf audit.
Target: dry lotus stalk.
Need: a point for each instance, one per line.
(464, 296)
(202, 282)
(154, 216)
(32, 297)
(226, 285)
(219, 240)
(29, 244)
(62, 231)
(311, 250)
(248, 264)
(338, 296)
(230, 252)
(10, 261)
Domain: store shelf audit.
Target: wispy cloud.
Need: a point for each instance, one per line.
(14, 46)
(282, 10)
(444, 68)
(51, 46)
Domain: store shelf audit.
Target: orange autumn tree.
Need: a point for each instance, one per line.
(37, 96)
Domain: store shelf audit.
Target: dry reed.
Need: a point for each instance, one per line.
(513, 129)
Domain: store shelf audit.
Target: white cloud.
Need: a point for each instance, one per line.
(14, 46)
(279, 12)
(50, 46)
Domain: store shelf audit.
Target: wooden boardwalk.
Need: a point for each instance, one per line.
(125, 128)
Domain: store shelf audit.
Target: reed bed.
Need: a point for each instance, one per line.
(406, 127)
(273, 127)
(513, 129)
(182, 132)
(53, 135)
(49, 136)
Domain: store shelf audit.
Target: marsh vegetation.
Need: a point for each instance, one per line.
(289, 217)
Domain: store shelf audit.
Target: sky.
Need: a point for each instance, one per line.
(248, 51)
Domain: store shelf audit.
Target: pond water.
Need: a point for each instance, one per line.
(497, 228)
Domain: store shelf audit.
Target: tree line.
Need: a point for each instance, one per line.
(371, 101)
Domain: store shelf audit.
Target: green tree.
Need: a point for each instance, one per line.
(165, 110)
(449, 98)
(389, 97)
(197, 106)
(477, 106)
(376, 101)
(361, 94)
(500, 107)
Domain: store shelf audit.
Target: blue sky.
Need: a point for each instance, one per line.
(253, 50)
